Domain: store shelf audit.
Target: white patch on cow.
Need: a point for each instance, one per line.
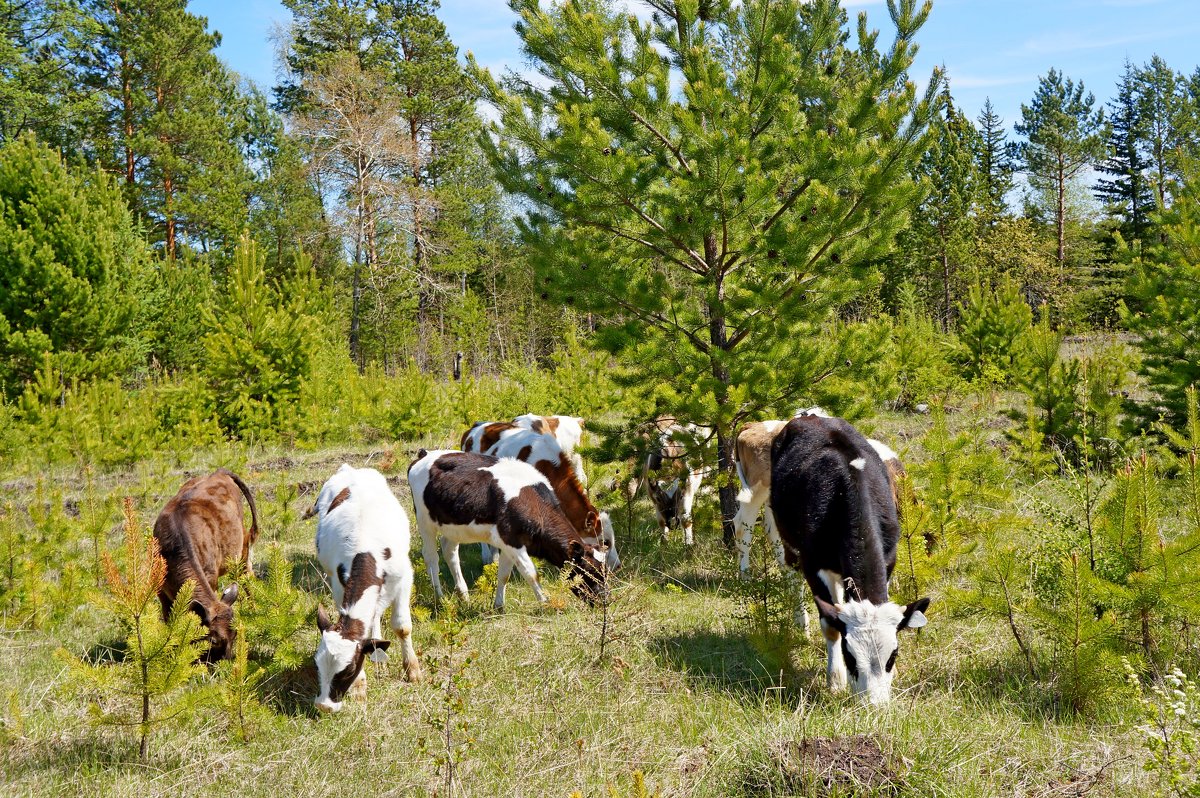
(858, 463)
(334, 655)
(871, 637)
(833, 583)
(884, 451)
(512, 476)
(812, 411)
(774, 425)
(598, 555)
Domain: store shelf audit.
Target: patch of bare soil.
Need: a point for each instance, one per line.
(836, 766)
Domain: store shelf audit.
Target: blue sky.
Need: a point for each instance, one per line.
(995, 48)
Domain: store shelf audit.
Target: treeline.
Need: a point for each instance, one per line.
(362, 167)
(167, 224)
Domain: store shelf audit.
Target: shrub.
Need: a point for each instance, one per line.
(1170, 716)
(992, 322)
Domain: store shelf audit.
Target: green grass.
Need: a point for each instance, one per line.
(681, 695)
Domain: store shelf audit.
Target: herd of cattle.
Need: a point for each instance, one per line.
(827, 494)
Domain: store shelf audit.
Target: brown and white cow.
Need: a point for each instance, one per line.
(199, 532)
(464, 497)
(362, 542)
(567, 431)
(544, 453)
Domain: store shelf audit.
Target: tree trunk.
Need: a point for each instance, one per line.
(168, 188)
(356, 286)
(946, 287)
(720, 343)
(1061, 221)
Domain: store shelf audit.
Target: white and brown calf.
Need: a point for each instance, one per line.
(543, 452)
(834, 507)
(567, 431)
(362, 542)
(463, 497)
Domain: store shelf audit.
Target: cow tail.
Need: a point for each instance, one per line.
(745, 494)
(245, 489)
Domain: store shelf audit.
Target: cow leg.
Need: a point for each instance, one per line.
(487, 555)
(795, 583)
(525, 566)
(743, 522)
(450, 552)
(402, 625)
(687, 500)
(835, 669)
(167, 602)
(503, 571)
(430, 555)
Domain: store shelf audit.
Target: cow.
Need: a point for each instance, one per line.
(472, 498)
(672, 476)
(752, 461)
(362, 543)
(833, 507)
(199, 531)
(566, 430)
(544, 453)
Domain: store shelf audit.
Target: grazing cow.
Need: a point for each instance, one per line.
(508, 504)
(484, 434)
(833, 506)
(362, 543)
(543, 452)
(672, 477)
(199, 531)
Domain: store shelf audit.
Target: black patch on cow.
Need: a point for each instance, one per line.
(837, 517)
(343, 679)
(342, 496)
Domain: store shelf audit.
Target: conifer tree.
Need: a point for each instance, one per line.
(170, 120)
(711, 183)
(1126, 191)
(1064, 136)
(1162, 111)
(160, 657)
(1163, 307)
(70, 264)
(995, 158)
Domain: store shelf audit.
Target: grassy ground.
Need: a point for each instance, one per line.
(680, 694)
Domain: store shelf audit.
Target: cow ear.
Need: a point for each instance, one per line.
(829, 613)
(914, 615)
(309, 513)
(323, 619)
(574, 549)
(230, 595)
(580, 422)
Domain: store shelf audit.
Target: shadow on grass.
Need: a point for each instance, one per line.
(729, 662)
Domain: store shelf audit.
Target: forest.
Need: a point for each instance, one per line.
(713, 211)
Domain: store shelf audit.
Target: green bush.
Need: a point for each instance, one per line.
(992, 323)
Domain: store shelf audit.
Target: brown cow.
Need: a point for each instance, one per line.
(198, 532)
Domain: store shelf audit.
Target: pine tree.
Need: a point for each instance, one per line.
(161, 658)
(1127, 192)
(1064, 137)
(711, 183)
(1163, 307)
(71, 264)
(170, 121)
(1161, 108)
(995, 162)
(942, 225)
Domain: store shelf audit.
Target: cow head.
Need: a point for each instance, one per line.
(609, 540)
(339, 659)
(590, 578)
(869, 641)
(218, 620)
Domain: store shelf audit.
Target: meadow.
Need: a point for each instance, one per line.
(689, 695)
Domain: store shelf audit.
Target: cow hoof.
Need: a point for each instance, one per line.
(412, 672)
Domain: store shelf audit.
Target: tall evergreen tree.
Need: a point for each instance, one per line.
(1126, 191)
(171, 119)
(995, 163)
(712, 183)
(1161, 111)
(1064, 135)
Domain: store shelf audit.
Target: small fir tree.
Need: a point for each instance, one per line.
(148, 686)
(995, 159)
(992, 324)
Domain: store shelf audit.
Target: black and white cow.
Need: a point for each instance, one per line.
(833, 506)
(473, 498)
(362, 543)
